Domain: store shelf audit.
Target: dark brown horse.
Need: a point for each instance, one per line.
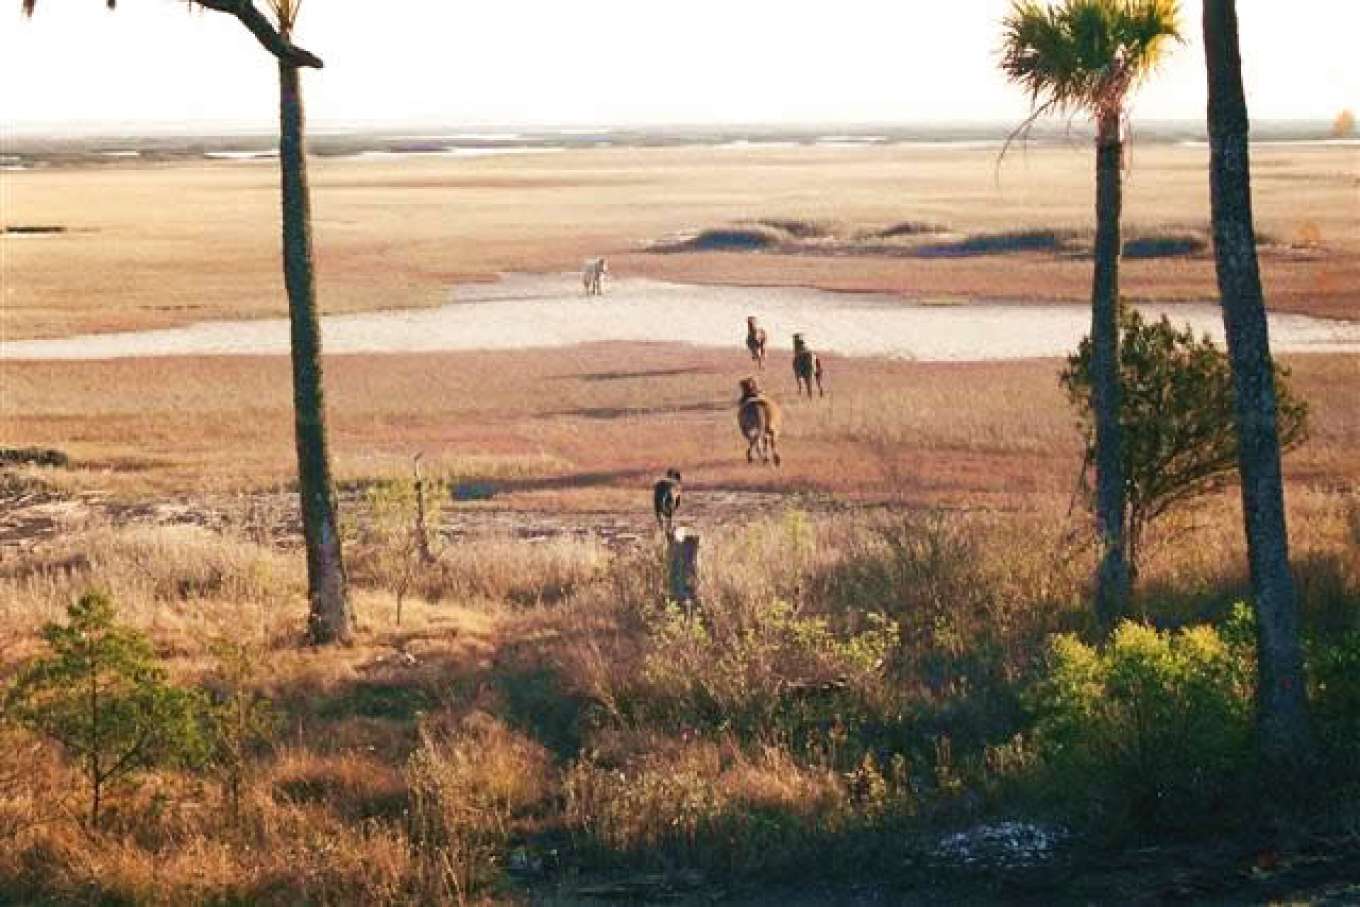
(807, 367)
(666, 499)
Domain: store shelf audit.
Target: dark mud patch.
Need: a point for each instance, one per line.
(32, 230)
(34, 456)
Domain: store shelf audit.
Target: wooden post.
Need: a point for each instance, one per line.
(682, 554)
(422, 530)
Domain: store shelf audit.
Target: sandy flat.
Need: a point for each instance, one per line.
(163, 246)
(531, 311)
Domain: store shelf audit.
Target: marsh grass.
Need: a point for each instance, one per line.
(923, 433)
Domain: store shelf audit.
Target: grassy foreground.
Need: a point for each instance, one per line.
(542, 727)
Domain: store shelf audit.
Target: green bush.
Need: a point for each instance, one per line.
(1336, 696)
(102, 695)
(1177, 416)
(1152, 732)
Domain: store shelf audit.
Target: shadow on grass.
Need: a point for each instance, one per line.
(609, 413)
(1329, 603)
(537, 703)
(595, 479)
(628, 376)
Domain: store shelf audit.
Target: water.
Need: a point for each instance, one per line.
(523, 310)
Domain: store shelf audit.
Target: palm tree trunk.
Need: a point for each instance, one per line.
(1281, 702)
(329, 618)
(1112, 577)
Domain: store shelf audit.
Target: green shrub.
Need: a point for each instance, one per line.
(103, 697)
(1336, 696)
(1177, 416)
(1154, 730)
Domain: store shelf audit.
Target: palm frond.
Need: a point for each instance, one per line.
(1085, 54)
(285, 13)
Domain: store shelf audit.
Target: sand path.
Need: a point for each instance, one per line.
(525, 310)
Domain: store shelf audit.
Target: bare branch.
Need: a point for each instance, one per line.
(264, 31)
(257, 22)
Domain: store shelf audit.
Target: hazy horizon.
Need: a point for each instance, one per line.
(152, 128)
(613, 64)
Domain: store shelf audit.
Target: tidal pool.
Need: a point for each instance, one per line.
(533, 310)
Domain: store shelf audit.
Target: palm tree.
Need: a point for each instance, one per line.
(1089, 56)
(1282, 708)
(329, 616)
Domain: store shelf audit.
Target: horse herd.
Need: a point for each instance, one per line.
(758, 416)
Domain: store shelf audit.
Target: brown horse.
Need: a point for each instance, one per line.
(755, 341)
(807, 367)
(759, 419)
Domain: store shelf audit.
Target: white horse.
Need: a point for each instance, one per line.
(592, 276)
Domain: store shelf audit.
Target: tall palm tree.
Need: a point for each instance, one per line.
(329, 616)
(1088, 56)
(1282, 715)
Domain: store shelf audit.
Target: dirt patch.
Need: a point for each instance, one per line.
(32, 514)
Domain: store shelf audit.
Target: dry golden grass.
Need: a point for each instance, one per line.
(167, 245)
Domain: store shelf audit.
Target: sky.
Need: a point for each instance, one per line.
(614, 62)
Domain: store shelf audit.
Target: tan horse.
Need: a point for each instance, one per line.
(759, 419)
(755, 341)
(807, 367)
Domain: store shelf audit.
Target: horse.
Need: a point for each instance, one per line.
(807, 367)
(759, 419)
(592, 276)
(666, 499)
(755, 341)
